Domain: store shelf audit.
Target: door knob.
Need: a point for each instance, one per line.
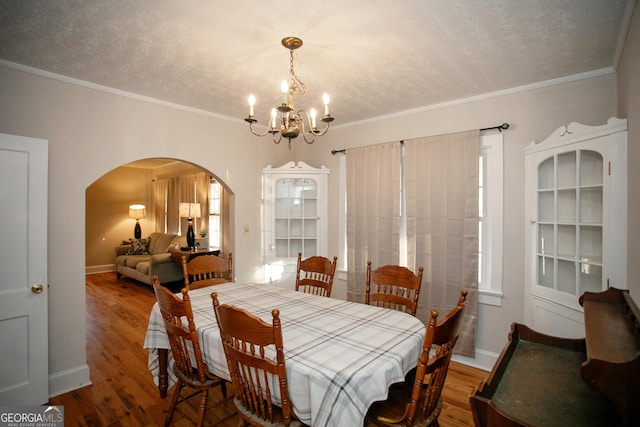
(37, 288)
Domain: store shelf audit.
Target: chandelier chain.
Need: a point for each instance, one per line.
(297, 83)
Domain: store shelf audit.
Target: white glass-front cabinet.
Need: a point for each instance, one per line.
(576, 222)
(295, 217)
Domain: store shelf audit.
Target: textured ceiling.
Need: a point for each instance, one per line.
(374, 57)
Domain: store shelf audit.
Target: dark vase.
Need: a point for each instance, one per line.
(191, 236)
(137, 231)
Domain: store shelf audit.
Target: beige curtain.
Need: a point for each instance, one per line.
(441, 181)
(373, 211)
(160, 192)
(203, 184)
(173, 203)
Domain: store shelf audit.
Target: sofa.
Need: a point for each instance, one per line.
(144, 258)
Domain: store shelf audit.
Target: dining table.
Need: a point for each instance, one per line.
(340, 356)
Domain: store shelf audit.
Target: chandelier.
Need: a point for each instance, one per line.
(285, 121)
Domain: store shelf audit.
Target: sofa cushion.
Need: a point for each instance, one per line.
(143, 267)
(160, 243)
(138, 247)
(133, 260)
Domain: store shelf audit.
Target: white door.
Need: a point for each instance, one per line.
(24, 361)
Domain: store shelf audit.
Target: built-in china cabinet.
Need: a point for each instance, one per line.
(295, 217)
(575, 235)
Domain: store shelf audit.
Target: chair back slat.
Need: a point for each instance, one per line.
(181, 330)
(431, 372)
(314, 275)
(393, 286)
(418, 400)
(254, 351)
(206, 270)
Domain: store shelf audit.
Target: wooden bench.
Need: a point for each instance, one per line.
(545, 380)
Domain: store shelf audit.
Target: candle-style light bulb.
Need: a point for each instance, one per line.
(274, 114)
(312, 113)
(325, 100)
(252, 101)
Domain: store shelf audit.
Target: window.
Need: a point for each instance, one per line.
(215, 217)
(490, 223)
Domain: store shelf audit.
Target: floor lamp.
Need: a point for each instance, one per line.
(137, 212)
(190, 211)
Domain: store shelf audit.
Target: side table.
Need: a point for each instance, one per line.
(177, 255)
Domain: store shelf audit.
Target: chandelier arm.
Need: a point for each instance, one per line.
(256, 133)
(302, 127)
(278, 139)
(313, 130)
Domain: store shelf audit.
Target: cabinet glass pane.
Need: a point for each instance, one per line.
(545, 174)
(567, 170)
(282, 208)
(546, 241)
(591, 244)
(590, 278)
(282, 188)
(282, 228)
(591, 205)
(295, 208)
(545, 271)
(567, 241)
(310, 247)
(295, 246)
(545, 206)
(567, 206)
(591, 168)
(310, 228)
(566, 277)
(282, 248)
(310, 208)
(295, 228)
(310, 190)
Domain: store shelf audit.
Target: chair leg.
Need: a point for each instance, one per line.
(223, 389)
(204, 396)
(172, 406)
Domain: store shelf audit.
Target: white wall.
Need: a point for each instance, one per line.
(91, 132)
(629, 108)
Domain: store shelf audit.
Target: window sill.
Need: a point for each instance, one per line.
(489, 297)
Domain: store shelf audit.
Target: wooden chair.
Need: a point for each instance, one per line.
(394, 286)
(315, 275)
(418, 402)
(245, 339)
(191, 373)
(207, 270)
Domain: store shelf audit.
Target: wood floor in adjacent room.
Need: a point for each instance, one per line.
(123, 392)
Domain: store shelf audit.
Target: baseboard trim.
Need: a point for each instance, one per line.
(93, 269)
(484, 360)
(69, 380)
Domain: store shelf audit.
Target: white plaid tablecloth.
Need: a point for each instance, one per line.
(340, 356)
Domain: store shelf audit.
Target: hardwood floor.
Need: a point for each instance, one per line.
(123, 392)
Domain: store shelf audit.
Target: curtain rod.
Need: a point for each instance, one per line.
(500, 128)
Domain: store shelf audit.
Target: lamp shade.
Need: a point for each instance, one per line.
(137, 212)
(189, 210)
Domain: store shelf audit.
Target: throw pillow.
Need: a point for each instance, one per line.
(138, 247)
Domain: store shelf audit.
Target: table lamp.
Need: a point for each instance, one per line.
(137, 212)
(190, 211)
